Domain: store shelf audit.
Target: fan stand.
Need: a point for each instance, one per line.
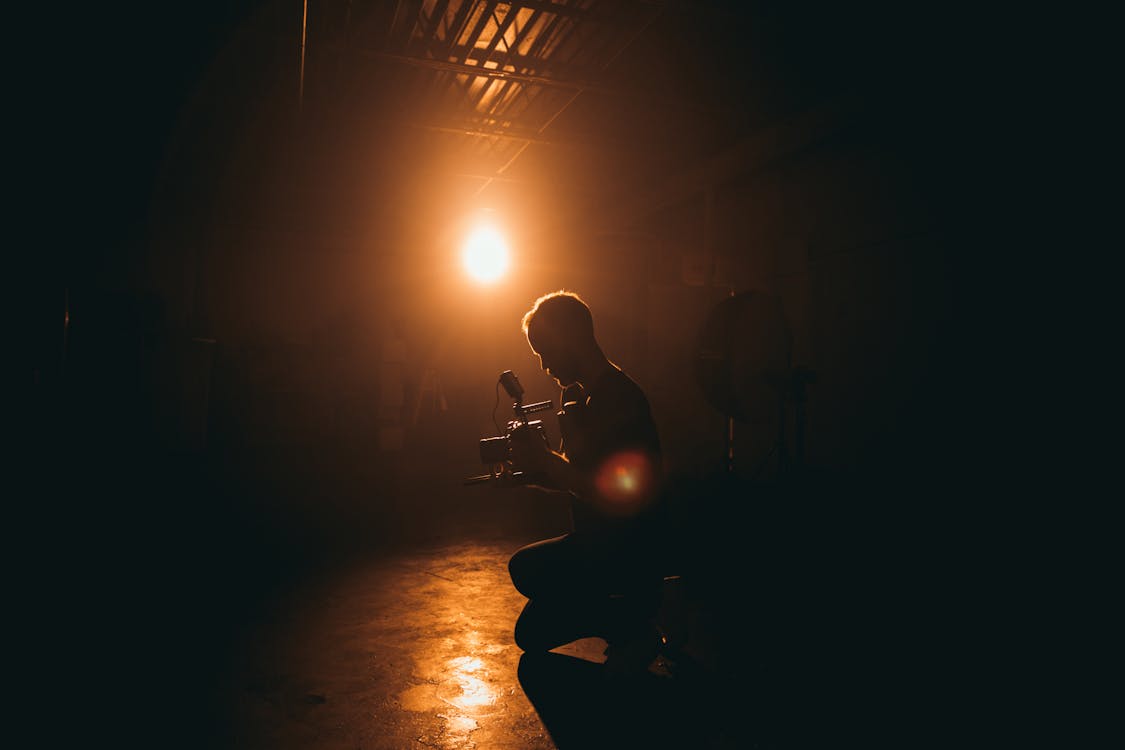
(743, 358)
(795, 392)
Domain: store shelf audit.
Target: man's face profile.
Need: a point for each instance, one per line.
(556, 357)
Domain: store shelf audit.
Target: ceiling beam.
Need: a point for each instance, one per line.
(483, 72)
(526, 136)
(548, 7)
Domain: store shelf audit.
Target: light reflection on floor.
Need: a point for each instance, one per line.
(407, 652)
(463, 666)
(416, 651)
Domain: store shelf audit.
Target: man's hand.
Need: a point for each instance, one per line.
(530, 452)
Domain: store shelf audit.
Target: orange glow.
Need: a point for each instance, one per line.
(485, 254)
(624, 482)
(476, 692)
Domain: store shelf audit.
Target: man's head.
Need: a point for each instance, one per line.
(560, 329)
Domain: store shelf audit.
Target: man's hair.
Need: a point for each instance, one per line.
(562, 312)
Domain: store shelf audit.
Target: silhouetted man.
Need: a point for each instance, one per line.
(603, 578)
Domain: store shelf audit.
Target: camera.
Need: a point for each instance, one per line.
(495, 451)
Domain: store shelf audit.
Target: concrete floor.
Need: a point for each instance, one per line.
(200, 630)
(414, 650)
(406, 643)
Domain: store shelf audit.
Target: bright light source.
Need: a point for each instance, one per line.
(485, 255)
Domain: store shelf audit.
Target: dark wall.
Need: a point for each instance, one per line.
(858, 259)
(857, 565)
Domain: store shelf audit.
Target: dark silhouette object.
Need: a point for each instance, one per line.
(743, 354)
(743, 366)
(604, 578)
(581, 709)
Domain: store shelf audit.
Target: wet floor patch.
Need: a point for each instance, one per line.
(414, 651)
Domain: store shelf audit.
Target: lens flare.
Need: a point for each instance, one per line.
(485, 254)
(625, 482)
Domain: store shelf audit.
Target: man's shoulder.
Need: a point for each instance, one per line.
(618, 387)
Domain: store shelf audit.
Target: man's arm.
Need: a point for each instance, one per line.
(532, 455)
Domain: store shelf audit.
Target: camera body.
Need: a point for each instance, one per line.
(495, 451)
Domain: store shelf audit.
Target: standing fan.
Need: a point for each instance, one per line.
(743, 366)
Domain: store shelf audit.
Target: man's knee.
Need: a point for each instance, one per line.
(522, 641)
(529, 639)
(517, 571)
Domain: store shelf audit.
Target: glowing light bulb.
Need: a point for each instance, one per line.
(485, 254)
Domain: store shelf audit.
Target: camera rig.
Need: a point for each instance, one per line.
(495, 451)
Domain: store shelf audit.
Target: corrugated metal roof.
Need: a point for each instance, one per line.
(585, 93)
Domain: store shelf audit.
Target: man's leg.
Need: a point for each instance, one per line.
(550, 568)
(576, 594)
(544, 625)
